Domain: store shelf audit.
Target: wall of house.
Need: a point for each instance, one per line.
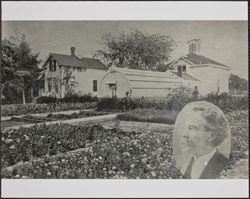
(85, 78)
(211, 78)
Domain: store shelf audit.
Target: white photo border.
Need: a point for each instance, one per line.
(196, 10)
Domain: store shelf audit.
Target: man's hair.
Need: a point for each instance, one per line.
(215, 124)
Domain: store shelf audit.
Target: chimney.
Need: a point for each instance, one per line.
(194, 46)
(72, 49)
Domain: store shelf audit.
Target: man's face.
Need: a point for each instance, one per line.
(194, 137)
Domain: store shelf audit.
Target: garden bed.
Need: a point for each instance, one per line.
(47, 151)
(110, 154)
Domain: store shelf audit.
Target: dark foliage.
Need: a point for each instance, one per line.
(66, 99)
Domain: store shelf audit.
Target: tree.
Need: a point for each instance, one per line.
(19, 68)
(235, 82)
(136, 50)
(69, 81)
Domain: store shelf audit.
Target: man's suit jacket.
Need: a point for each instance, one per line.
(213, 168)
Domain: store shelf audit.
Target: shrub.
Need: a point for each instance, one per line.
(107, 104)
(46, 100)
(227, 102)
(178, 98)
(74, 98)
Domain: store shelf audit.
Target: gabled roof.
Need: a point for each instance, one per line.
(74, 61)
(199, 59)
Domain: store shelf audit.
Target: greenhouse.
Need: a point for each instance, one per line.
(122, 82)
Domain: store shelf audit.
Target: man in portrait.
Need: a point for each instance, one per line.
(204, 131)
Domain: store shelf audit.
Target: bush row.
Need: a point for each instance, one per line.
(174, 103)
(66, 99)
(22, 109)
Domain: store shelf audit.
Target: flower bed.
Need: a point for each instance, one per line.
(22, 109)
(108, 153)
(111, 154)
(149, 115)
(26, 143)
(238, 121)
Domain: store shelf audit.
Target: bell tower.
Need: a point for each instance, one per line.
(194, 46)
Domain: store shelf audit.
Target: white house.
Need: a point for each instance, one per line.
(83, 74)
(120, 82)
(208, 75)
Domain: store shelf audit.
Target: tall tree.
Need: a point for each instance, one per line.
(136, 50)
(19, 68)
(238, 83)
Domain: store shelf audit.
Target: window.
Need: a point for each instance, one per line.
(52, 65)
(94, 85)
(56, 86)
(49, 84)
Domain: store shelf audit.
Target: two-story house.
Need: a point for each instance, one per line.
(64, 72)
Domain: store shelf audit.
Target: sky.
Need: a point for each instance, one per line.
(223, 41)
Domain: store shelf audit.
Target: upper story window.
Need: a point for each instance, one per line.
(52, 65)
(94, 85)
(184, 69)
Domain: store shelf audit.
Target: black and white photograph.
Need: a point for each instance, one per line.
(100, 99)
(124, 99)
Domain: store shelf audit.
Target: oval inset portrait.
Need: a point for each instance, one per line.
(201, 141)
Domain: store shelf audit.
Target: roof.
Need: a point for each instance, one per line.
(139, 82)
(74, 61)
(143, 78)
(186, 76)
(199, 59)
(135, 73)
